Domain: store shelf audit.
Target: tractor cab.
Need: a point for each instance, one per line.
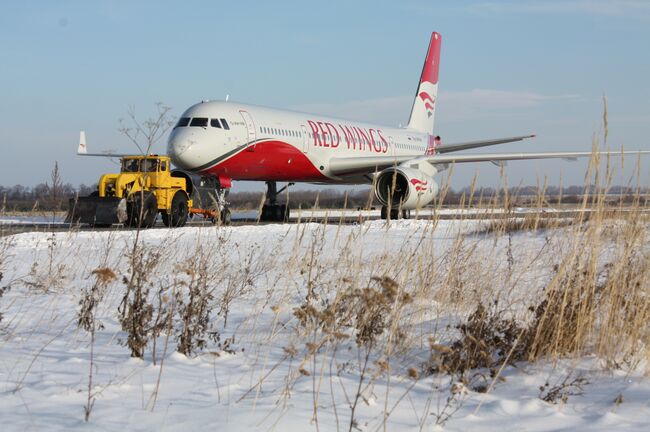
(145, 164)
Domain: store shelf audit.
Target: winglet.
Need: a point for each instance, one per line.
(82, 143)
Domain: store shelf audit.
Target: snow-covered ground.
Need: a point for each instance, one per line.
(270, 377)
(306, 214)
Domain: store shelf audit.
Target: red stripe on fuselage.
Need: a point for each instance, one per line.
(270, 160)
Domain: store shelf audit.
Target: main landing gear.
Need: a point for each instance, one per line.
(394, 213)
(274, 212)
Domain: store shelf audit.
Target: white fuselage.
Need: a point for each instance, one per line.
(248, 142)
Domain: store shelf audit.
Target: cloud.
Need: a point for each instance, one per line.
(482, 103)
(592, 7)
(455, 106)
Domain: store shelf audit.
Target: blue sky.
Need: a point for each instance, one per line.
(507, 67)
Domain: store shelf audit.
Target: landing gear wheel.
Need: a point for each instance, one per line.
(178, 212)
(225, 216)
(394, 213)
(275, 213)
(281, 213)
(141, 210)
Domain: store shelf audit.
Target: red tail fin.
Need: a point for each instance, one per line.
(424, 105)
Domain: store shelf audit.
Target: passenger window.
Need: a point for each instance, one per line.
(182, 122)
(225, 124)
(199, 121)
(163, 166)
(215, 123)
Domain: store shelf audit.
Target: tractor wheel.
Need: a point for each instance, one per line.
(177, 216)
(141, 210)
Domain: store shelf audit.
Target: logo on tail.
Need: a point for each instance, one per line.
(429, 102)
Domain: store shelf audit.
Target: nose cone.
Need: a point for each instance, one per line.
(183, 149)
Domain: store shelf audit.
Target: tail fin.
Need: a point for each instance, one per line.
(82, 143)
(424, 105)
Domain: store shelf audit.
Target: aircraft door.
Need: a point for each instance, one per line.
(250, 127)
(305, 139)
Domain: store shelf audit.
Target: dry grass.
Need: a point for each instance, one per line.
(338, 303)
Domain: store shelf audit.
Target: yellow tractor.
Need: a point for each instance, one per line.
(144, 187)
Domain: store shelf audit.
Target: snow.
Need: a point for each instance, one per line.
(44, 356)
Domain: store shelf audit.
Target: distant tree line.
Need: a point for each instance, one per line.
(54, 195)
(528, 195)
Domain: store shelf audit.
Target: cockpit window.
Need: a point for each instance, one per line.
(150, 165)
(130, 165)
(182, 122)
(199, 121)
(142, 165)
(225, 124)
(215, 123)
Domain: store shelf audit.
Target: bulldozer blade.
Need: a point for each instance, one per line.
(93, 210)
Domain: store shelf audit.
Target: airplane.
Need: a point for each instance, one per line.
(233, 141)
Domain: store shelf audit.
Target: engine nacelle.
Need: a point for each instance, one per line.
(412, 188)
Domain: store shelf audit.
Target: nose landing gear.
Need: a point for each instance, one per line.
(274, 212)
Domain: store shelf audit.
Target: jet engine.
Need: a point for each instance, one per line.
(405, 187)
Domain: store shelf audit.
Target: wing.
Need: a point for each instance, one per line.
(448, 148)
(82, 150)
(346, 166)
(571, 156)
(363, 165)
